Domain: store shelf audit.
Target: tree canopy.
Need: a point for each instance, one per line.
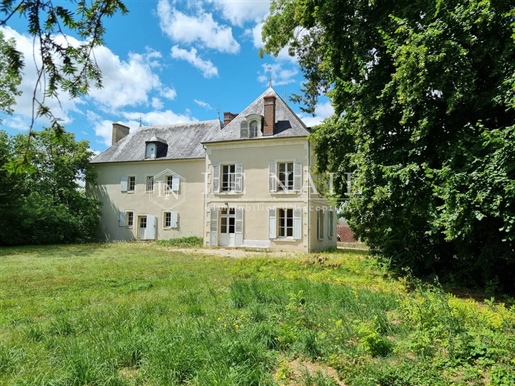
(47, 205)
(10, 78)
(424, 94)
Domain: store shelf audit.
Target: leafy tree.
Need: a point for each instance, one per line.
(424, 98)
(64, 66)
(9, 77)
(47, 205)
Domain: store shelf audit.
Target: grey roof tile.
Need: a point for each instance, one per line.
(287, 123)
(184, 141)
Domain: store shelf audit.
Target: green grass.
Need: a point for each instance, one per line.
(144, 314)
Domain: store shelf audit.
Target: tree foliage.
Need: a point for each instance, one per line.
(424, 94)
(47, 205)
(65, 65)
(10, 67)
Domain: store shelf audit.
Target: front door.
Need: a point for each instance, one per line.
(142, 227)
(227, 226)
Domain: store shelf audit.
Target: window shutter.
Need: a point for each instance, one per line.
(176, 183)
(216, 178)
(330, 221)
(123, 184)
(122, 219)
(239, 227)
(238, 178)
(213, 227)
(150, 230)
(244, 129)
(272, 223)
(297, 176)
(272, 177)
(297, 223)
(174, 216)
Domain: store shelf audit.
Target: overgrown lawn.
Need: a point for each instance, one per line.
(144, 314)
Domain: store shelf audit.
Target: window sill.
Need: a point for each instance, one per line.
(229, 193)
(286, 239)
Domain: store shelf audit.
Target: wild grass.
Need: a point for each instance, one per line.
(140, 314)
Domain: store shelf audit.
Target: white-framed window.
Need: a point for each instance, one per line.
(143, 222)
(126, 218)
(150, 184)
(131, 184)
(253, 129)
(172, 184)
(170, 220)
(285, 223)
(285, 226)
(228, 178)
(285, 176)
(330, 221)
(320, 224)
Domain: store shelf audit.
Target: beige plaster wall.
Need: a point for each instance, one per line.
(189, 202)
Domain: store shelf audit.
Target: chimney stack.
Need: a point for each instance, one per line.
(228, 117)
(119, 132)
(269, 113)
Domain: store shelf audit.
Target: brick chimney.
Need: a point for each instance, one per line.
(119, 132)
(228, 117)
(269, 113)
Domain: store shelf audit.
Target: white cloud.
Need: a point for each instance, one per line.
(322, 111)
(60, 107)
(201, 28)
(280, 76)
(125, 83)
(205, 66)
(203, 104)
(168, 93)
(239, 12)
(156, 118)
(157, 104)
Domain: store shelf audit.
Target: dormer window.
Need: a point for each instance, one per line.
(252, 126)
(253, 129)
(151, 151)
(155, 148)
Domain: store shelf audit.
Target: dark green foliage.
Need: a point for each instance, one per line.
(46, 205)
(423, 93)
(183, 242)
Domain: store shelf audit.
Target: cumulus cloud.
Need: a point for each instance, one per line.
(240, 12)
(125, 83)
(207, 68)
(200, 28)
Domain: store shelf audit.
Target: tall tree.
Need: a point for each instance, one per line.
(424, 95)
(47, 204)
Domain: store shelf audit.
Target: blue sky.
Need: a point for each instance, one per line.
(168, 62)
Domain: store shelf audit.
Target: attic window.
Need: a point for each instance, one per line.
(151, 151)
(253, 129)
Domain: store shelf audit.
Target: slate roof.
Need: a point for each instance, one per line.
(184, 142)
(287, 123)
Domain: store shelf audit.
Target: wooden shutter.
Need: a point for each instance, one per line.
(176, 183)
(238, 178)
(150, 230)
(272, 223)
(174, 219)
(216, 178)
(297, 223)
(239, 226)
(272, 177)
(244, 129)
(330, 221)
(122, 219)
(297, 176)
(123, 184)
(213, 227)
